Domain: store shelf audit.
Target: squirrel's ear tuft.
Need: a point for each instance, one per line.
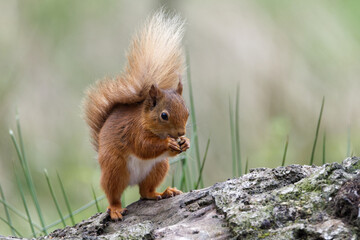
(179, 88)
(155, 94)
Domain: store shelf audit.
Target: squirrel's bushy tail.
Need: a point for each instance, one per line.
(155, 56)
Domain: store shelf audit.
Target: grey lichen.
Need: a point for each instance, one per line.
(292, 202)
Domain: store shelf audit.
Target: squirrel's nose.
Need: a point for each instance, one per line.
(181, 134)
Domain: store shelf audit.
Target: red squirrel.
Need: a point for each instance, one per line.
(138, 119)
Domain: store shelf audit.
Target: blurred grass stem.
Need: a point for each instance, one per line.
(285, 151)
(317, 132)
(193, 116)
(203, 164)
(66, 199)
(54, 198)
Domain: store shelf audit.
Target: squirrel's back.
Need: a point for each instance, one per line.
(155, 57)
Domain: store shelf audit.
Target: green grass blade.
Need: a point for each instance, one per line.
(7, 213)
(176, 181)
(285, 151)
(317, 132)
(233, 143)
(191, 166)
(324, 143)
(123, 198)
(237, 131)
(175, 160)
(17, 148)
(247, 165)
(183, 183)
(193, 116)
(15, 232)
(66, 199)
(86, 206)
(96, 202)
(27, 174)
(54, 198)
(20, 138)
(348, 149)
(25, 204)
(182, 179)
(173, 179)
(203, 164)
(18, 213)
(77, 211)
(187, 172)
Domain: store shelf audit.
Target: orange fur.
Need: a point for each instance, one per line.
(125, 114)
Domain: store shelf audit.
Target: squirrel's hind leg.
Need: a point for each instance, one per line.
(155, 177)
(114, 180)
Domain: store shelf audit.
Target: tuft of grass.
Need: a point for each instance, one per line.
(285, 151)
(26, 171)
(66, 199)
(203, 164)
(317, 132)
(54, 198)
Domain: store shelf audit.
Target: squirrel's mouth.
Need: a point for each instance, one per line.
(161, 136)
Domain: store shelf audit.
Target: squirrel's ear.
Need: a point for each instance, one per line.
(179, 88)
(154, 94)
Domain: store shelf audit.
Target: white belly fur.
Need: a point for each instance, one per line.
(139, 168)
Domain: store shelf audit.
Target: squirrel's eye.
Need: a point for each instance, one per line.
(164, 116)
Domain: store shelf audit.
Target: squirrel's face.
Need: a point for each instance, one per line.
(165, 112)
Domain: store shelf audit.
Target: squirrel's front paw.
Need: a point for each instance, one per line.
(184, 143)
(173, 145)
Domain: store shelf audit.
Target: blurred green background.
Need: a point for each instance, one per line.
(285, 55)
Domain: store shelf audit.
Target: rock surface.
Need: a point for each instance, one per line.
(293, 202)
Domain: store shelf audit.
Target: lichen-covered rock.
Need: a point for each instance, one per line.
(293, 202)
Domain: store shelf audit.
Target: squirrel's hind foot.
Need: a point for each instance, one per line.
(116, 213)
(171, 192)
(168, 193)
